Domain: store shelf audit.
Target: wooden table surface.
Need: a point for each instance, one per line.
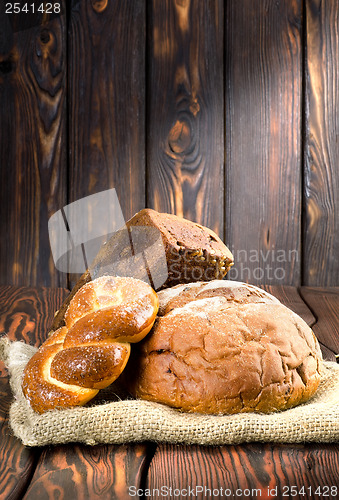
(76, 471)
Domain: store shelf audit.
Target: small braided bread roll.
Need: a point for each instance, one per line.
(92, 350)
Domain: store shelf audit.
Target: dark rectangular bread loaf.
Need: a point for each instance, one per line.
(193, 252)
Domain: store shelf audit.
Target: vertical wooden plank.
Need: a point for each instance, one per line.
(321, 186)
(32, 142)
(185, 147)
(106, 97)
(263, 139)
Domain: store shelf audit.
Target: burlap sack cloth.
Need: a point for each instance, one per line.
(123, 421)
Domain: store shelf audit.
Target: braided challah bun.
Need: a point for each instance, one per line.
(92, 350)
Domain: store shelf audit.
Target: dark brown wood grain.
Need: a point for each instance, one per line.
(86, 102)
(106, 67)
(84, 472)
(32, 143)
(185, 126)
(324, 303)
(106, 61)
(25, 314)
(263, 91)
(321, 179)
(17, 463)
(328, 354)
(295, 300)
(252, 468)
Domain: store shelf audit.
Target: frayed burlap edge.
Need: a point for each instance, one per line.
(136, 421)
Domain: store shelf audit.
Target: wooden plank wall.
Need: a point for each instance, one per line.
(223, 112)
(321, 148)
(33, 143)
(263, 93)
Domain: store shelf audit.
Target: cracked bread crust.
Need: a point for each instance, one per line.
(225, 348)
(232, 291)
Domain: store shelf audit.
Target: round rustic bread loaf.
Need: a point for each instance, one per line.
(225, 347)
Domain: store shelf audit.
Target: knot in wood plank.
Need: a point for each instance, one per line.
(45, 36)
(6, 67)
(99, 5)
(179, 138)
(183, 13)
(47, 45)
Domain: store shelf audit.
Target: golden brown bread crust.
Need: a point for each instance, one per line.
(193, 253)
(230, 348)
(232, 291)
(89, 366)
(45, 393)
(92, 350)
